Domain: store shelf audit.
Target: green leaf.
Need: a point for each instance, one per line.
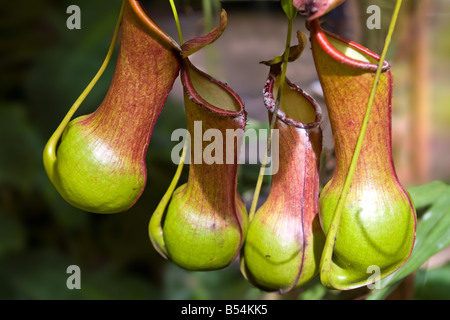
(289, 9)
(431, 236)
(433, 284)
(427, 194)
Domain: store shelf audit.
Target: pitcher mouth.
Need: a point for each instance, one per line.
(270, 101)
(163, 37)
(370, 62)
(233, 107)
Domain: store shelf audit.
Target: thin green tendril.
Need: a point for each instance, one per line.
(274, 116)
(332, 231)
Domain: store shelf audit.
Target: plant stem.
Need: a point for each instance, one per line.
(332, 231)
(272, 124)
(207, 15)
(177, 21)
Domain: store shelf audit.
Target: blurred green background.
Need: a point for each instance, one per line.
(43, 69)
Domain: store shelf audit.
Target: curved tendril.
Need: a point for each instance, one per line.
(272, 124)
(49, 156)
(177, 21)
(325, 263)
(154, 228)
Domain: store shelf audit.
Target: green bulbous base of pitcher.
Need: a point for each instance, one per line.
(280, 261)
(376, 233)
(197, 236)
(91, 176)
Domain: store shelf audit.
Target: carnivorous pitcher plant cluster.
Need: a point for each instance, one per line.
(97, 161)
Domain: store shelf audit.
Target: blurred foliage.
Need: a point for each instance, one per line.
(433, 284)
(43, 68)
